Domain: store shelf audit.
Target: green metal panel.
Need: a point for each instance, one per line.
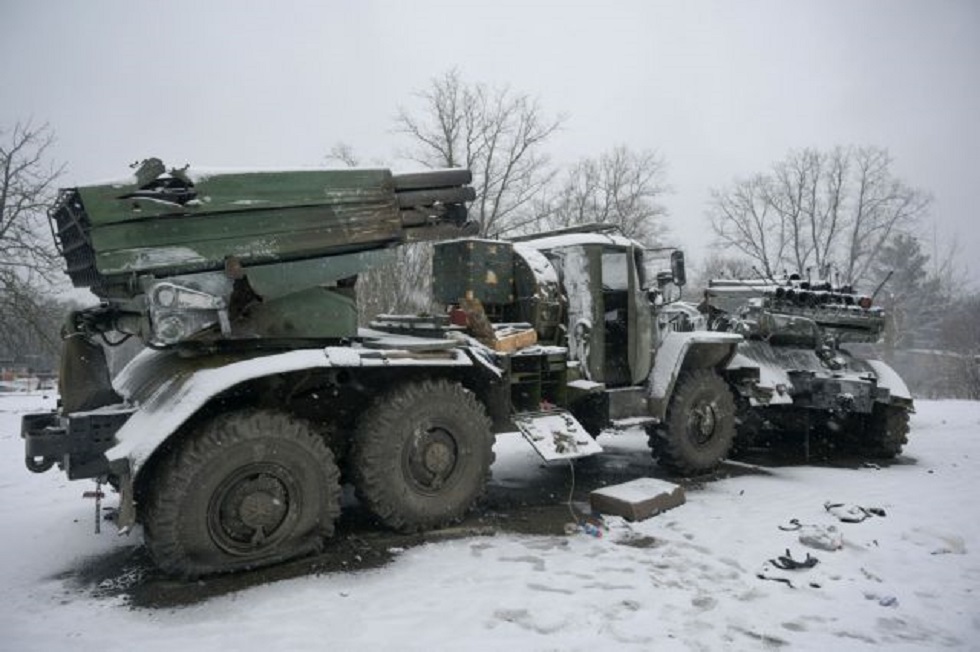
(111, 203)
(256, 217)
(202, 242)
(476, 269)
(316, 312)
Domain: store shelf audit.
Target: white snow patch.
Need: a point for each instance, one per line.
(687, 580)
(638, 490)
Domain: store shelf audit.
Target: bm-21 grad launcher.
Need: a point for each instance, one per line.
(211, 260)
(225, 436)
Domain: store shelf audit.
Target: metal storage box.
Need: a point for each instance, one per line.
(473, 269)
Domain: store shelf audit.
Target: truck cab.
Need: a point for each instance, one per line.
(610, 320)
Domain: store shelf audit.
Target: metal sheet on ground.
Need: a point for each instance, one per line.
(556, 435)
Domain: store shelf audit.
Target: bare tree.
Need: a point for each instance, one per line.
(28, 261)
(402, 286)
(620, 187)
(344, 154)
(743, 219)
(720, 266)
(820, 211)
(882, 206)
(496, 133)
(960, 335)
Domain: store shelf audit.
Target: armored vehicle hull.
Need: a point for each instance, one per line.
(808, 344)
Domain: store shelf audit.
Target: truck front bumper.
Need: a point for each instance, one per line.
(77, 443)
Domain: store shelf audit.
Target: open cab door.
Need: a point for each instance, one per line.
(640, 317)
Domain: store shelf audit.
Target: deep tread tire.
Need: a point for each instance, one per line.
(422, 455)
(699, 428)
(888, 430)
(242, 490)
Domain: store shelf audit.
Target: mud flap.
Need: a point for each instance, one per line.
(556, 435)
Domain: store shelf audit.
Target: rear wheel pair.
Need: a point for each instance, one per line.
(256, 487)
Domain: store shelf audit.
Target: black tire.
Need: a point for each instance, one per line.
(242, 490)
(422, 455)
(887, 431)
(699, 427)
(592, 412)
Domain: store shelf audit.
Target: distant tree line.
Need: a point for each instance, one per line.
(29, 264)
(840, 214)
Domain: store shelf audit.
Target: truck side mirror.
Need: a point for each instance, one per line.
(677, 268)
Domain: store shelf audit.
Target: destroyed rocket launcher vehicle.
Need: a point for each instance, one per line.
(257, 395)
(806, 340)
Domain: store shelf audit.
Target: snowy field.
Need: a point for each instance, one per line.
(685, 580)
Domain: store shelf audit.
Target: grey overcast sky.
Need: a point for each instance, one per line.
(721, 89)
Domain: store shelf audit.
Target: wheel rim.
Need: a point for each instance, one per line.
(254, 508)
(702, 421)
(431, 459)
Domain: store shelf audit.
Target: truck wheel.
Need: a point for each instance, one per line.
(422, 455)
(887, 431)
(699, 428)
(244, 489)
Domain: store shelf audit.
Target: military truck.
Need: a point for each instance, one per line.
(819, 379)
(257, 396)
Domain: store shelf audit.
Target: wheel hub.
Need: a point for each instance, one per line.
(702, 422)
(438, 458)
(432, 458)
(250, 508)
(261, 510)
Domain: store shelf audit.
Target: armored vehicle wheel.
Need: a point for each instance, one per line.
(699, 428)
(887, 430)
(422, 454)
(244, 489)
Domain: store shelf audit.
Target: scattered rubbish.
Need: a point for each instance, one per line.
(590, 524)
(884, 601)
(794, 525)
(786, 562)
(852, 513)
(585, 527)
(822, 537)
(763, 576)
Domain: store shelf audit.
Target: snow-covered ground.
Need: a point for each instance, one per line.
(687, 579)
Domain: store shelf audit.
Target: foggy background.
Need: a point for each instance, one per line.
(721, 90)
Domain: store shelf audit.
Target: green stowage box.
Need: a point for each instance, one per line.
(473, 269)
